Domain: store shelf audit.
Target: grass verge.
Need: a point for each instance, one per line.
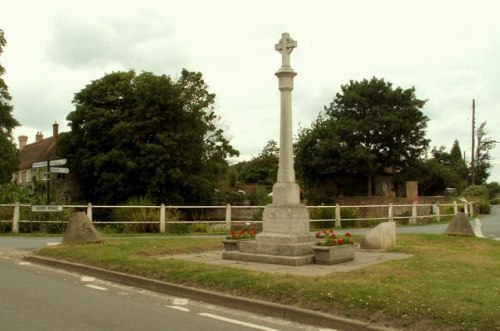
(451, 283)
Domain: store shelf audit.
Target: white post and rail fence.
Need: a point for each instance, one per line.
(354, 215)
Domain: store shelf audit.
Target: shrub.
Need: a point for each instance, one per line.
(480, 195)
(199, 228)
(140, 215)
(257, 215)
(322, 214)
(349, 213)
(260, 197)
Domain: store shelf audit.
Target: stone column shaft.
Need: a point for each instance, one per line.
(286, 172)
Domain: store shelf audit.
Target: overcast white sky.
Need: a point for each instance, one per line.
(448, 50)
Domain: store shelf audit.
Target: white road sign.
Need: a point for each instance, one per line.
(60, 170)
(45, 208)
(39, 164)
(58, 162)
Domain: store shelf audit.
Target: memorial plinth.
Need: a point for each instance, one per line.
(285, 238)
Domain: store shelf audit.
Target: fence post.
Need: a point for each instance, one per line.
(15, 219)
(162, 218)
(455, 208)
(437, 212)
(89, 211)
(413, 219)
(391, 213)
(228, 217)
(338, 223)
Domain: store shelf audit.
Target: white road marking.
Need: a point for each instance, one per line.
(24, 263)
(87, 279)
(95, 287)
(229, 320)
(180, 301)
(179, 308)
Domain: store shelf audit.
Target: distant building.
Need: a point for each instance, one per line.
(63, 186)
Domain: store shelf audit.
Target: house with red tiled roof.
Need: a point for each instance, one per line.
(62, 186)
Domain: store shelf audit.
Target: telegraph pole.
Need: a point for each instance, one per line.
(473, 170)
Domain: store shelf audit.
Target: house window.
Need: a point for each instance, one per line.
(23, 177)
(28, 176)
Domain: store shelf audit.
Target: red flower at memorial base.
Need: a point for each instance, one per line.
(242, 234)
(331, 238)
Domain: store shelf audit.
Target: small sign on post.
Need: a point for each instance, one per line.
(46, 208)
(39, 164)
(58, 162)
(60, 170)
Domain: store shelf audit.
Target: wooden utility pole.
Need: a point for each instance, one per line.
(473, 170)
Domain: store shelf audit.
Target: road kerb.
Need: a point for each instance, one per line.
(291, 313)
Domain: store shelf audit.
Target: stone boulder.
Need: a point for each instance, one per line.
(80, 230)
(381, 237)
(460, 226)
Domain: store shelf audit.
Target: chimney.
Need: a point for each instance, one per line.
(23, 141)
(39, 136)
(55, 130)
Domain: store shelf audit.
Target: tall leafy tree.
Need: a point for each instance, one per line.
(482, 156)
(322, 157)
(442, 170)
(146, 135)
(9, 161)
(372, 123)
(262, 169)
(459, 166)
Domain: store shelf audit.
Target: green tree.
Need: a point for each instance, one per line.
(443, 170)
(457, 163)
(482, 164)
(262, 169)
(9, 159)
(370, 126)
(321, 157)
(146, 135)
(493, 190)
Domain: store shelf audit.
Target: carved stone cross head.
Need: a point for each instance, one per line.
(285, 46)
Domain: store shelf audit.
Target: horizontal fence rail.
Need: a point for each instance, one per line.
(228, 216)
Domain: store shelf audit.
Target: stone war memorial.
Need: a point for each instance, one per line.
(285, 238)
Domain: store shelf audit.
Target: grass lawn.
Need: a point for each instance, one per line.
(451, 283)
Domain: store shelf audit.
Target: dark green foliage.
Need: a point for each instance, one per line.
(369, 126)
(147, 218)
(146, 135)
(261, 196)
(482, 164)
(262, 169)
(9, 158)
(493, 190)
(443, 170)
(478, 194)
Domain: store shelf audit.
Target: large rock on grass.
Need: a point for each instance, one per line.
(460, 226)
(80, 230)
(380, 238)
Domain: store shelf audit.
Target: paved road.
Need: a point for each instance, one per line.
(40, 298)
(487, 225)
(491, 223)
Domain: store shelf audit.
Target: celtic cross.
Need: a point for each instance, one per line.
(285, 46)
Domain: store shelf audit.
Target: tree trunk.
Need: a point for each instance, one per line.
(369, 185)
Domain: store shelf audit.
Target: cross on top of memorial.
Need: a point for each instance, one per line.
(285, 46)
